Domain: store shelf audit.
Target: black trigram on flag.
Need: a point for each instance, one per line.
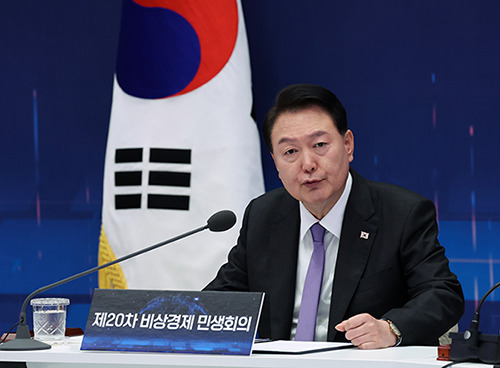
(155, 178)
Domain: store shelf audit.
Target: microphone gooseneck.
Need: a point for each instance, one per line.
(220, 221)
(472, 334)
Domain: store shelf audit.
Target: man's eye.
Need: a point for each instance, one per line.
(290, 151)
(320, 144)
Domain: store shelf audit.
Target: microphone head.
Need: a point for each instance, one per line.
(221, 221)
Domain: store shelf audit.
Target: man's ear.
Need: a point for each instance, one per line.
(349, 144)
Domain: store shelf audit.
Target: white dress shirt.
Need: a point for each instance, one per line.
(332, 222)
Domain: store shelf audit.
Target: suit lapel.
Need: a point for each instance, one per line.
(284, 240)
(356, 240)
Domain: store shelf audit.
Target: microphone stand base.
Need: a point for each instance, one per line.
(487, 350)
(24, 344)
(23, 341)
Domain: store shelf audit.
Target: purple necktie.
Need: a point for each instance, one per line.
(306, 325)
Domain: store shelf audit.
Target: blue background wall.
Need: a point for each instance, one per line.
(420, 81)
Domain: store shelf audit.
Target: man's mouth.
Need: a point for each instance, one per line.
(311, 182)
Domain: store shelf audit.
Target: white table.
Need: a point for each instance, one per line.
(70, 355)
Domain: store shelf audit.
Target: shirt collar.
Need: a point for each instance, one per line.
(332, 222)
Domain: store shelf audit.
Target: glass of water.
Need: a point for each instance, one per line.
(49, 318)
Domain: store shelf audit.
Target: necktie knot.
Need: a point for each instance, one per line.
(317, 232)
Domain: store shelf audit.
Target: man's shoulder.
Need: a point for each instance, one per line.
(274, 205)
(273, 198)
(393, 190)
(389, 193)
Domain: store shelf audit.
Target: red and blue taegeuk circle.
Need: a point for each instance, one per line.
(171, 47)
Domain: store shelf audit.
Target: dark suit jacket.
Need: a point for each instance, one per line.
(400, 272)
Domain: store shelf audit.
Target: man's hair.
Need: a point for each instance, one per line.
(298, 97)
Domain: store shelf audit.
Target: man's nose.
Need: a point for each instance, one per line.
(309, 163)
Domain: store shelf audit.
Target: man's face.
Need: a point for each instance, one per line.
(312, 158)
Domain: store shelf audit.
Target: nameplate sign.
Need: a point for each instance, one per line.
(202, 322)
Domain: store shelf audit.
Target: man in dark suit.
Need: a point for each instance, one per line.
(384, 277)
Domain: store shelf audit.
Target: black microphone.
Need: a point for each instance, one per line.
(220, 221)
(472, 345)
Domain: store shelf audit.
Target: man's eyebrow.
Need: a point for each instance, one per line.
(286, 140)
(316, 134)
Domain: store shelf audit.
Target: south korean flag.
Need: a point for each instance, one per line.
(181, 144)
